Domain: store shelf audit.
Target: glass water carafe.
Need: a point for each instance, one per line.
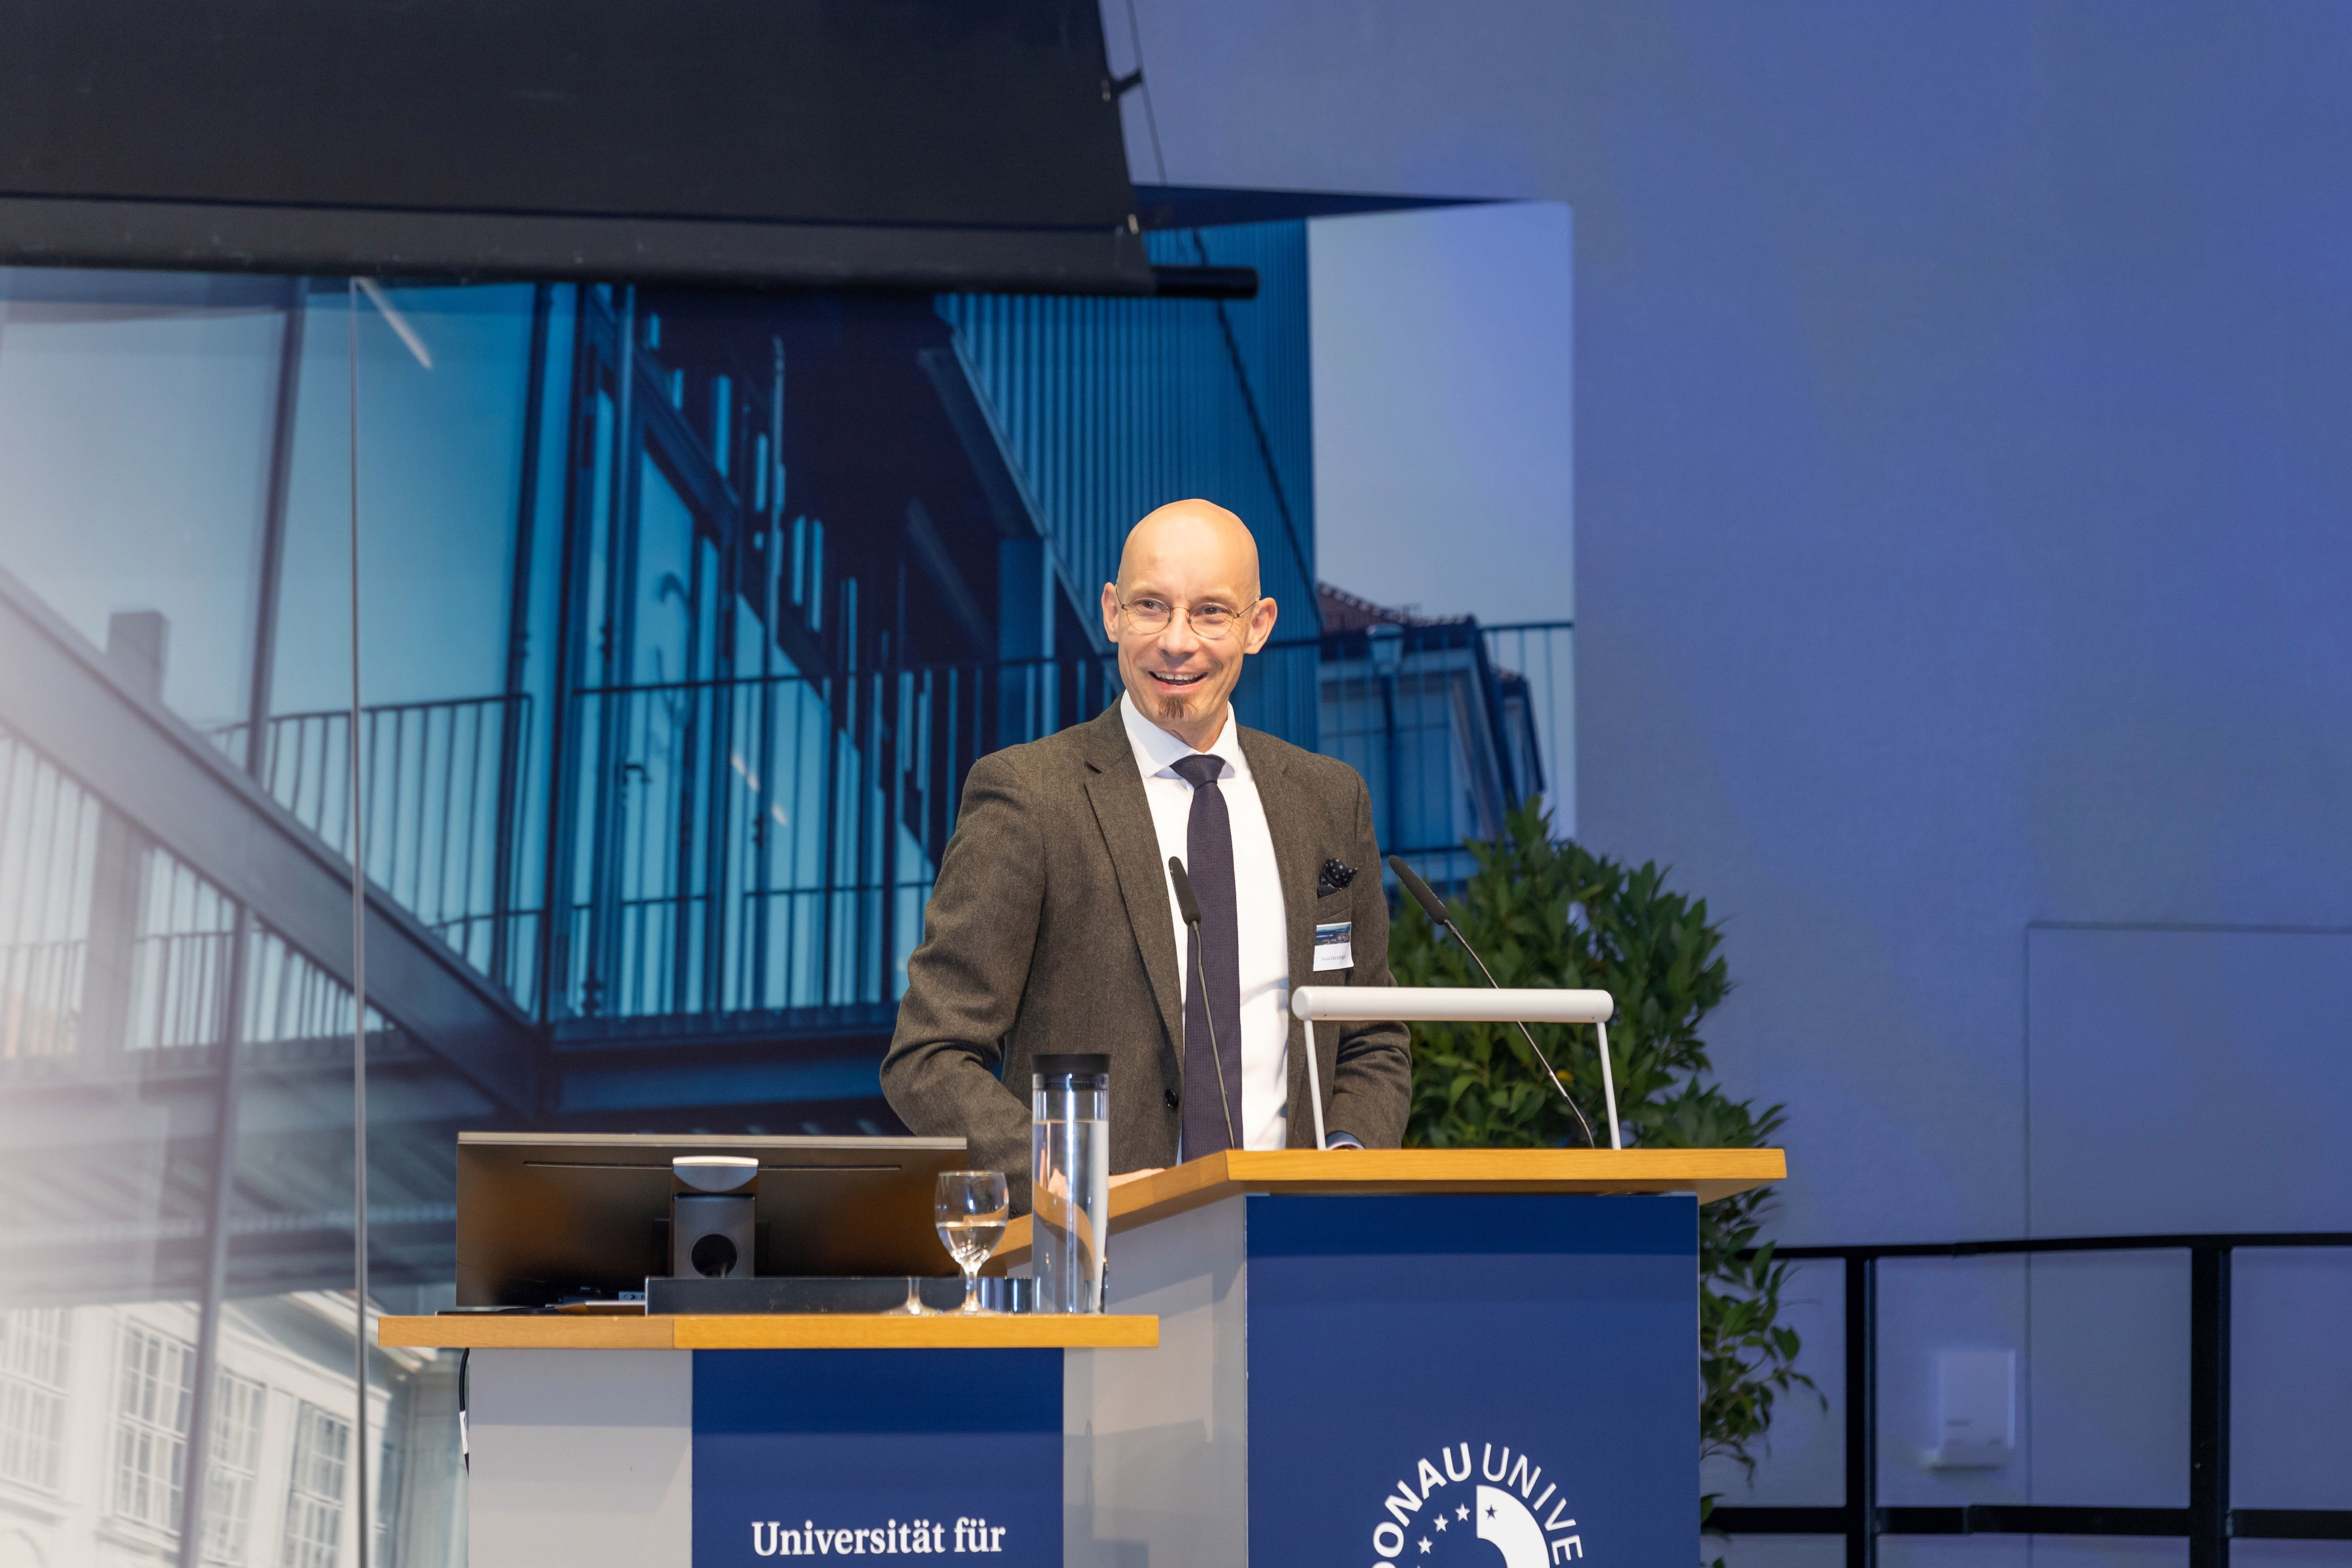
(1069, 1180)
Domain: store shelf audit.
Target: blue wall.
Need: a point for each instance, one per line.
(1961, 401)
(1963, 483)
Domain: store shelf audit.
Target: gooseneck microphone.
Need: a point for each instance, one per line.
(1190, 907)
(1434, 907)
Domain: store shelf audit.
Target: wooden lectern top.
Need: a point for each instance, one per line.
(770, 1330)
(1709, 1173)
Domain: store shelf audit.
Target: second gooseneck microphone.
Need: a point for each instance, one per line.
(1190, 907)
(1434, 908)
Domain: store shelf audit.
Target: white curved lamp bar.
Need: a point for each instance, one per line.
(1457, 1004)
(1450, 1005)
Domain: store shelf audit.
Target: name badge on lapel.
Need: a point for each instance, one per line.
(1335, 945)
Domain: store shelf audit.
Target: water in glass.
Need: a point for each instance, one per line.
(971, 1211)
(1069, 1182)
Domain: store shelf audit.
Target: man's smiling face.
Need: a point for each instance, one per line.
(1196, 558)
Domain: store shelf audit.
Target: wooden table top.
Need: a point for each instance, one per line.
(775, 1331)
(1709, 1173)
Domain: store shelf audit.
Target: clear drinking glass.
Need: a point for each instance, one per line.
(972, 1210)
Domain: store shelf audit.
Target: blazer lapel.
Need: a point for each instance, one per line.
(1290, 823)
(1116, 792)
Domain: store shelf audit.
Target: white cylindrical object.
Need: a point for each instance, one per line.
(1609, 1085)
(1451, 1005)
(1314, 1088)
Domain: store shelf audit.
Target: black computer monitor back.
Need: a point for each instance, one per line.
(549, 1217)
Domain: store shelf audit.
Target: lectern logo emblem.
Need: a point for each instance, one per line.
(1451, 1511)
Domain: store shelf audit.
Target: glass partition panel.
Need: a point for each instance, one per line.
(154, 1035)
(178, 1331)
(681, 619)
(139, 424)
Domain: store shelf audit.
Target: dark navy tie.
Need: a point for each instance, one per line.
(1212, 989)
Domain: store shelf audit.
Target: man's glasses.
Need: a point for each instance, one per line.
(1210, 623)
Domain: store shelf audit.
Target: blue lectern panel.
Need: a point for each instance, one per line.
(1505, 1382)
(945, 1452)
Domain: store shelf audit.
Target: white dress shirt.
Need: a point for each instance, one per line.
(1257, 898)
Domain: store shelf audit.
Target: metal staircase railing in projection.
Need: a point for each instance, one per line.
(763, 846)
(445, 783)
(766, 845)
(109, 943)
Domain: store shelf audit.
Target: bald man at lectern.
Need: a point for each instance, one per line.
(1054, 927)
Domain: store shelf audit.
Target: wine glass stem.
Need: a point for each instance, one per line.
(971, 1289)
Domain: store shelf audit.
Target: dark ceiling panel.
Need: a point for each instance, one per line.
(922, 143)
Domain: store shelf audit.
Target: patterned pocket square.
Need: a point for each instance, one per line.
(1334, 878)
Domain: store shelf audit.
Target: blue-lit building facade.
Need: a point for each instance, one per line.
(680, 618)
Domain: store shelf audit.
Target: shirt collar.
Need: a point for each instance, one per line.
(1157, 752)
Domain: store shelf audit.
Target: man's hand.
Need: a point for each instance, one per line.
(1125, 1176)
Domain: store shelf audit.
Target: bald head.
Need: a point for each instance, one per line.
(1185, 612)
(1212, 544)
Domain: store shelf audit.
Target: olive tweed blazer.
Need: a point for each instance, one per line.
(1048, 932)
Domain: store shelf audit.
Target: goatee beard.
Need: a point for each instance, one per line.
(1176, 704)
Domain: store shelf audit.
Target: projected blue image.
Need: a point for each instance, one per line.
(682, 617)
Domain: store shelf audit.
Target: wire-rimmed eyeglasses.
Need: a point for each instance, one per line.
(1211, 622)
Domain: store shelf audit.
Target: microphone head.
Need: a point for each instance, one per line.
(1186, 904)
(1430, 903)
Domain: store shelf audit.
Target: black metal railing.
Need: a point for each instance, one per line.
(757, 844)
(443, 778)
(110, 942)
(766, 843)
(2209, 1523)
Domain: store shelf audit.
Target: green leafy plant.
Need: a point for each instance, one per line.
(1544, 912)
